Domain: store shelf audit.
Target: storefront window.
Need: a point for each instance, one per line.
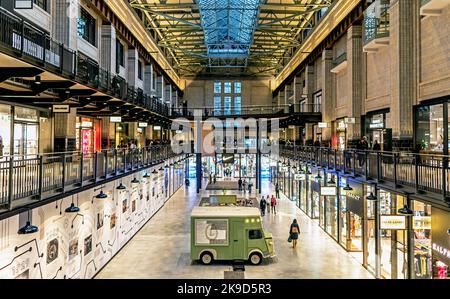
(422, 240)
(5, 130)
(430, 128)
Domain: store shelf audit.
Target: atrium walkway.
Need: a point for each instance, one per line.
(161, 249)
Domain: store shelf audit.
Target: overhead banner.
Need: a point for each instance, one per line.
(61, 109)
(328, 191)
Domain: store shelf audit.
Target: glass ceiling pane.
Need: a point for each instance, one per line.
(229, 26)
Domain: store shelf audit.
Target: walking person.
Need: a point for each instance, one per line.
(376, 146)
(244, 185)
(240, 184)
(250, 185)
(268, 205)
(273, 202)
(294, 231)
(262, 206)
(277, 190)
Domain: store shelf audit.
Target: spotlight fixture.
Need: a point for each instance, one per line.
(101, 195)
(28, 228)
(161, 169)
(331, 181)
(371, 197)
(154, 171)
(146, 175)
(318, 176)
(121, 187)
(135, 181)
(348, 188)
(406, 211)
(37, 80)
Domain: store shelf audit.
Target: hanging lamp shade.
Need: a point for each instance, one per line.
(28, 229)
(406, 211)
(101, 195)
(72, 209)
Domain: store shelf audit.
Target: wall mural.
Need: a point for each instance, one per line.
(78, 245)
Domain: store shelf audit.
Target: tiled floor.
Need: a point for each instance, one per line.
(161, 248)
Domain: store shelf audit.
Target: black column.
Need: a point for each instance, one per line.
(198, 162)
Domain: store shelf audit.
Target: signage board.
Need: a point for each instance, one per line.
(350, 120)
(115, 119)
(23, 4)
(157, 128)
(61, 109)
(323, 125)
(300, 177)
(284, 169)
(143, 125)
(328, 191)
(392, 222)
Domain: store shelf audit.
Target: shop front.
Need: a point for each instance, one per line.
(341, 134)
(88, 135)
(20, 131)
(431, 127)
(377, 129)
(314, 203)
(440, 225)
(331, 205)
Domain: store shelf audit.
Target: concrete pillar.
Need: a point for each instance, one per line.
(133, 61)
(148, 78)
(327, 93)
(310, 87)
(65, 15)
(160, 92)
(108, 48)
(65, 131)
(404, 18)
(354, 78)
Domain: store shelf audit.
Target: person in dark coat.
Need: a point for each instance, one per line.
(277, 190)
(262, 206)
(294, 231)
(376, 146)
(240, 184)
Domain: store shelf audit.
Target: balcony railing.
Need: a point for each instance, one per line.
(421, 172)
(376, 21)
(19, 38)
(248, 110)
(29, 179)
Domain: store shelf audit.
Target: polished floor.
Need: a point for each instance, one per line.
(161, 248)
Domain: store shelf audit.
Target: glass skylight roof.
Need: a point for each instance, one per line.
(228, 26)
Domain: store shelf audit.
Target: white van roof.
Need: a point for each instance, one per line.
(225, 212)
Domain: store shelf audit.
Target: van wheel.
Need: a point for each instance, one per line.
(255, 258)
(206, 258)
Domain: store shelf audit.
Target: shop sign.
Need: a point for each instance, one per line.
(354, 200)
(328, 191)
(115, 119)
(23, 4)
(284, 169)
(323, 125)
(350, 120)
(342, 125)
(441, 250)
(61, 109)
(392, 222)
(143, 125)
(86, 124)
(440, 235)
(376, 125)
(422, 222)
(157, 128)
(300, 177)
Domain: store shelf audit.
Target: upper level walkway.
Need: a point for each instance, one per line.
(414, 173)
(27, 180)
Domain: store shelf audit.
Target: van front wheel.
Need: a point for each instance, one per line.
(206, 258)
(255, 258)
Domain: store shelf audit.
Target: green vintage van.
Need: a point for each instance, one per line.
(229, 233)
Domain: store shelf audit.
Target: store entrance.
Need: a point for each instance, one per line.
(26, 139)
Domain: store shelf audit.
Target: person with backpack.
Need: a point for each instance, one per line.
(294, 231)
(273, 203)
(262, 206)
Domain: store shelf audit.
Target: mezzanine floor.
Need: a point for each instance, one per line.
(161, 248)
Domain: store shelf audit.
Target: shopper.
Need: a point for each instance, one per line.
(250, 185)
(294, 231)
(273, 202)
(262, 206)
(240, 184)
(277, 190)
(376, 146)
(268, 205)
(244, 185)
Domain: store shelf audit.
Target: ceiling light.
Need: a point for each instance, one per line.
(28, 228)
(121, 187)
(72, 209)
(101, 195)
(406, 211)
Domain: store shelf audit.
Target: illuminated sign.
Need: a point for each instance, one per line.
(300, 177)
(323, 125)
(328, 191)
(86, 124)
(143, 125)
(115, 119)
(284, 169)
(441, 250)
(350, 120)
(157, 128)
(23, 4)
(392, 222)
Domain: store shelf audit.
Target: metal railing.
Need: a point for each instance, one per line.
(376, 21)
(248, 110)
(423, 172)
(22, 39)
(27, 179)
